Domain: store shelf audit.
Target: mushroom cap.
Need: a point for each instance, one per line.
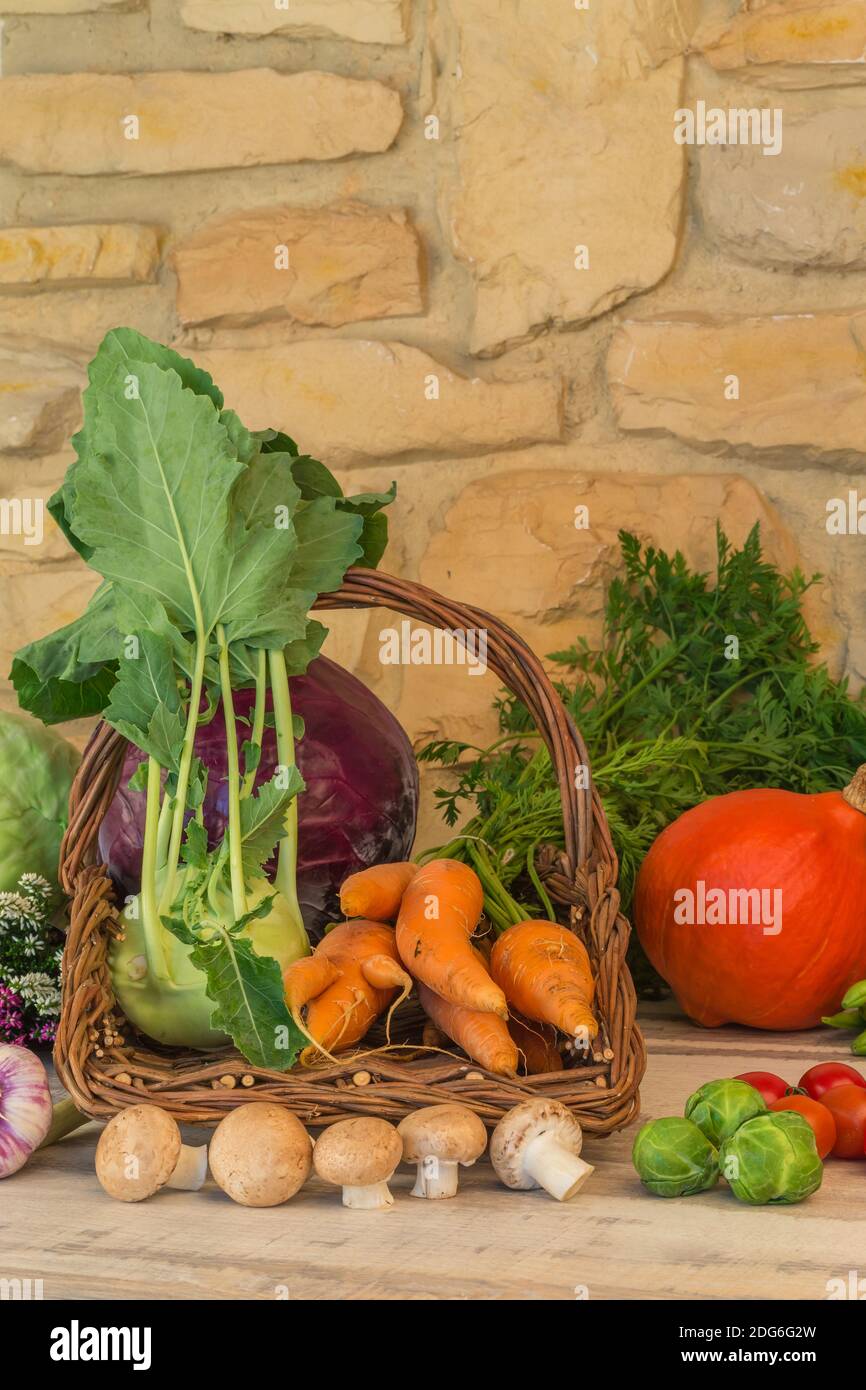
(452, 1133)
(137, 1152)
(357, 1153)
(260, 1154)
(517, 1129)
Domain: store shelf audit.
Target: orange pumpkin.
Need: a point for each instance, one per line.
(753, 905)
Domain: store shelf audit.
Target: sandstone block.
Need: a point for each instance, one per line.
(95, 253)
(350, 401)
(365, 21)
(330, 265)
(791, 382)
(174, 122)
(569, 192)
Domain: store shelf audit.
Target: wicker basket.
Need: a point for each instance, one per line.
(106, 1065)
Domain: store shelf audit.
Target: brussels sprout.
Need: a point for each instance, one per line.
(720, 1107)
(772, 1158)
(673, 1158)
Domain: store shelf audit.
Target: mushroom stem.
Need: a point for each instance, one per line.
(375, 1197)
(554, 1167)
(191, 1168)
(436, 1177)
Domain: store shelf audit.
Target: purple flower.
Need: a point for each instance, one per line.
(12, 1029)
(16, 1027)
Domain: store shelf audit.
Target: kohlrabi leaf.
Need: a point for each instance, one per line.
(328, 543)
(145, 705)
(151, 498)
(316, 481)
(118, 346)
(69, 673)
(298, 725)
(125, 345)
(246, 446)
(261, 602)
(275, 442)
(246, 988)
(138, 780)
(313, 478)
(197, 788)
(263, 818)
(300, 653)
(55, 701)
(251, 756)
(368, 504)
(374, 539)
(194, 850)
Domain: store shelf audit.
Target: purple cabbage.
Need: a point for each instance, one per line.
(361, 802)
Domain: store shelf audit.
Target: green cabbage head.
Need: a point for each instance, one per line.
(36, 771)
(673, 1158)
(720, 1107)
(771, 1159)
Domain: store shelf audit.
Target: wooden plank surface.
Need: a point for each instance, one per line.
(612, 1241)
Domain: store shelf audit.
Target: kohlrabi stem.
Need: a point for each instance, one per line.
(173, 858)
(164, 830)
(64, 1120)
(154, 940)
(236, 868)
(258, 729)
(287, 854)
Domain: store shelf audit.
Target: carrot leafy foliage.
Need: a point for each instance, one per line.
(672, 711)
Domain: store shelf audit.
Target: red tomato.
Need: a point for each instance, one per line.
(771, 1087)
(817, 1115)
(817, 1081)
(847, 1105)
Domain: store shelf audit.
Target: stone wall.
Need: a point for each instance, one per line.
(508, 286)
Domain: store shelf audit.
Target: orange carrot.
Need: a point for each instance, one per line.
(536, 1043)
(352, 977)
(440, 909)
(307, 977)
(376, 892)
(483, 1036)
(545, 974)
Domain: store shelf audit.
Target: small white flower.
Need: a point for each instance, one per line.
(38, 990)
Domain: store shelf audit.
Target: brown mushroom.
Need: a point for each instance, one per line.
(140, 1150)
(260, 1154)
(537, 1144)
(437, 1139)
(360, 1156)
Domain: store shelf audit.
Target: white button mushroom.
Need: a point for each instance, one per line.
(438, 1138)
(140, 1150)
(360, 1156)
(260, 1154)
(537, 1144)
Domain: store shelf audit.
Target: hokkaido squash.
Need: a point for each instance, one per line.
(752, 906)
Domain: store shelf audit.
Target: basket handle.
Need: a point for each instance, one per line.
(588, 844)
(587, 838)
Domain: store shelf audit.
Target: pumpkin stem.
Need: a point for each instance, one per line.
(855, 792)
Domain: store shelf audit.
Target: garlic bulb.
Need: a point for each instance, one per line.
(25, 1106)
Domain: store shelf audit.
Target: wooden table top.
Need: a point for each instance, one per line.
(613, 1240)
